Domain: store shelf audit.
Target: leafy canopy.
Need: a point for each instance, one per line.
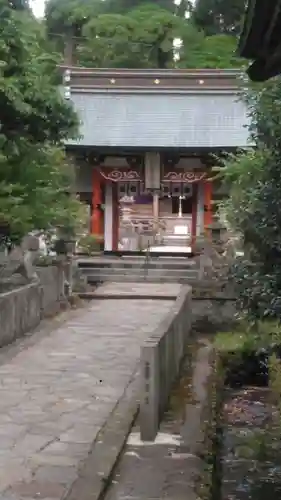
(219, 16)
(124, 6)
(200, 52)
(63, 16)
(35, 121)
(141, 39)
(137, 34)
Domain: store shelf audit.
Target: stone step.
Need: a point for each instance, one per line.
(162, 263)
(177, 244)
(137, 268)
(141, 271)
(132, 278)
(170, 239)
(176, 240)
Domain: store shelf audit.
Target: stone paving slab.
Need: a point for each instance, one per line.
(58, 393)
(139, 289)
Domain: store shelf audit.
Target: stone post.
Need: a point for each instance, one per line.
(155, 209)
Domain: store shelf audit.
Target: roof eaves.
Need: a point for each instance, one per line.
(260, 23)
(144, 91)
(260, 39)
(245, 46)
(125, 72)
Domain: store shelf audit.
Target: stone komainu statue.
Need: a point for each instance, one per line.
(17, 259)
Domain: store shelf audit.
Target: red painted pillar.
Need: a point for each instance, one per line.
(194, 215)
(115, 217)
(96, 226)
(208, 214)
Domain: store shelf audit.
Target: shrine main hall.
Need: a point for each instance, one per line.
(148, 143)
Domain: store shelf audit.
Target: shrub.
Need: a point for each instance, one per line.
(91, 243)
(253, 207)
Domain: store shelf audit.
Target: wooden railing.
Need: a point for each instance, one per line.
(140, 232)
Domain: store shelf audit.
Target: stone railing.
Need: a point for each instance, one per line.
(24, 306)
(52, 279)
(161, 357)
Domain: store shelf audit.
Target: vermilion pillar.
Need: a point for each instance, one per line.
(115, 217)
(96, 226)
(208, 214)
(194, 215)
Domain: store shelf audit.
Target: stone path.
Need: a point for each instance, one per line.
(58, 392)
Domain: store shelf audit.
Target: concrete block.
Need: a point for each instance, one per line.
(149, 408)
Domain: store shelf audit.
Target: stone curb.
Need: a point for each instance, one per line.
(96, 471)
(108, 296)
(215, 298)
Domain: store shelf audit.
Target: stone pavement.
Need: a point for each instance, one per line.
(58, 391)
(170, 467)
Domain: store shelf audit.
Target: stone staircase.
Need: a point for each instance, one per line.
(150, 269)
(172, 240)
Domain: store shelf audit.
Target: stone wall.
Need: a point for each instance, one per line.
(161, 357)
(20, 312)
(22, 308)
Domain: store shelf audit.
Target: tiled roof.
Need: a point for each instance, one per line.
(172, 120)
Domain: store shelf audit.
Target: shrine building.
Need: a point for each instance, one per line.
(148, 141)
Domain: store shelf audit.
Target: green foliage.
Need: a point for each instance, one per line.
(19, 4)
(202, 52)
(248, 337)
(219, 16)
(240, 175)
(64, 16)
(91, 243)
(68, 17)
(141, 39)
(238, 350)
(144, 39)
(254, 205)
(136, 34)
(219, 52)
(124, 6)
(35, 120)
(244, 353)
